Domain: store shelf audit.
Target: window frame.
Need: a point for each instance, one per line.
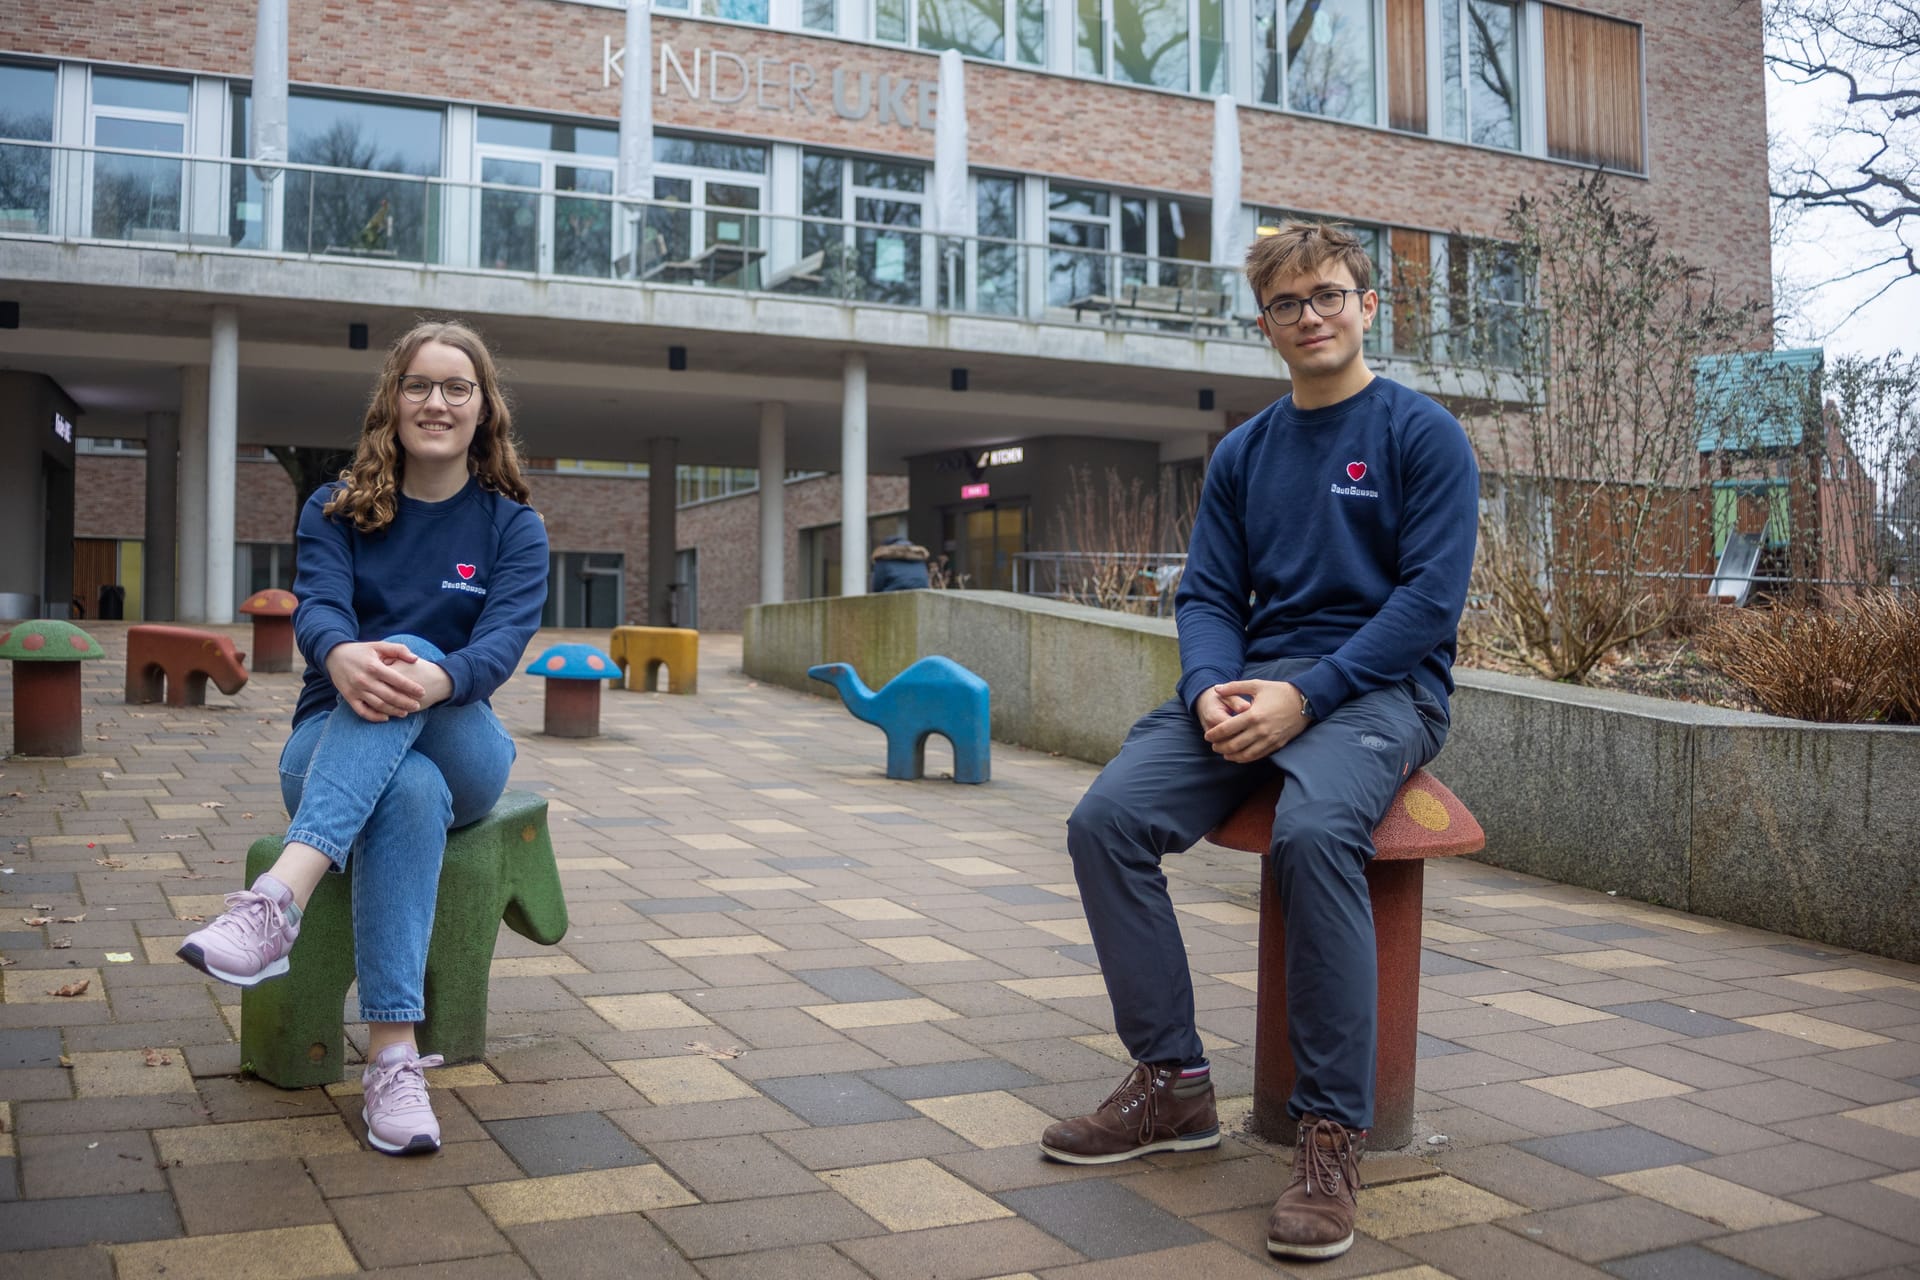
(97, 111)
(1074, 13)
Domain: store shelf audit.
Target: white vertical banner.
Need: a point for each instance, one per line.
(267, 132)
(1227, 249)
(636, 104)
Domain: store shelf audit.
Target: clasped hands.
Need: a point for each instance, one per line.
(369, 675)
(1248, 720)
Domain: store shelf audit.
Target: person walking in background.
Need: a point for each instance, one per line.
(1318, 616)
(898, 565)
(422, 575)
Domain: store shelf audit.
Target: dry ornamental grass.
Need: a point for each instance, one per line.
(1856, 663)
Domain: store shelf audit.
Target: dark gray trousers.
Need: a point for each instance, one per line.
(1166, 789)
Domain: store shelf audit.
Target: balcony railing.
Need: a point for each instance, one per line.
(111, 195)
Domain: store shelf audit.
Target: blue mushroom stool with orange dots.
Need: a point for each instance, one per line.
(1425, 821)
(934, 695)
(574, 674)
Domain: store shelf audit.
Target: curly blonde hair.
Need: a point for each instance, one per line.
(370, 493)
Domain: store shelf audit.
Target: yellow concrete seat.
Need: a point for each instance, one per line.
(640, 651)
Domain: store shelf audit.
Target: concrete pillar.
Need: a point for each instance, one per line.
(192, 601)
(853, 476)
(662, 495)
(773, 502)
(163, 516)
(223, 443)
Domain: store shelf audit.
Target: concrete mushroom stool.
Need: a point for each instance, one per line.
(574, 673)
(46, 655)
(272, 614)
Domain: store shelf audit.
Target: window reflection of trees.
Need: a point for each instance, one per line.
(976, 28)
(355, 213)
(1493, 94)
(25, 172)
(1330, 58)
(1150, 42)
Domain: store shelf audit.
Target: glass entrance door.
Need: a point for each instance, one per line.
(981, 544)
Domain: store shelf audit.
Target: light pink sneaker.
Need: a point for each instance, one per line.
(249, 941)
(398, 1116)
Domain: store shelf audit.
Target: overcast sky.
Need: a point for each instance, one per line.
(1826, 245)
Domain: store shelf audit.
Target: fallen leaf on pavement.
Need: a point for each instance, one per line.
(704, 1049)
(43, 906)
(4, 962)
(194, 919)
(73, 988)
(177, 835)
(73, 919)
(111, 864)
(66, 1062)
(157, 1057)
(60, 944)
(246, 815)
(37, 920)
(212, 804)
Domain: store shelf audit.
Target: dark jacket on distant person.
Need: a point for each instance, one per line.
(898, 565)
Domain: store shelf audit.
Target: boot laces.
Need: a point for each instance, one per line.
(1324, 1168)
(1137, 1089)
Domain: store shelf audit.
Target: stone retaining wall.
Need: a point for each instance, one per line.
(1812, 830)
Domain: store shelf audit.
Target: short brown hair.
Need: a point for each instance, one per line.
(1299, 247)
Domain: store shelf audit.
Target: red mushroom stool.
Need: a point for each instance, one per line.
(1425, 821)
(272, 614)
(574, 674)
(46, 655)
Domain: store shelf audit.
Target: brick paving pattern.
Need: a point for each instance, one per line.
(810, 1022)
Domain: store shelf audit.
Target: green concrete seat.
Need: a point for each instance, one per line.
(499, 868)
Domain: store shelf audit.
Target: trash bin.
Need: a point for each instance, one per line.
(113, 602)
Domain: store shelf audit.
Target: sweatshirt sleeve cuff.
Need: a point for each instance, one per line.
(459, 670)
(1324, 688)
(323, 644)
(1195, 683)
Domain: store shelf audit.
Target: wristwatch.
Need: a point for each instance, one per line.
(1306, 708)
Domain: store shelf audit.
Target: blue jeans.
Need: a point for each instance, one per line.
(1167, 788)
(387, 793)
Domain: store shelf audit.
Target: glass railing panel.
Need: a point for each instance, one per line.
(26, 190)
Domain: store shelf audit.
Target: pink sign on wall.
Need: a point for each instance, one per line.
(975, 491)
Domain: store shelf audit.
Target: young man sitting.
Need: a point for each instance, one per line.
(1318, 614)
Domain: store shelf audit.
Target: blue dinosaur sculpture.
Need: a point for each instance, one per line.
(934, 695)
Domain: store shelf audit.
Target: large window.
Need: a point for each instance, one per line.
(137, 197)
(731, 10)
(1169, 44)
(1593, 89)
(542, 227)
(1317, 56)
(1487, 314)
(977, 28)
(26, 111)
(885, 258)
(352, 214)
(724, 244)
(1480, 68)
(1103, 241)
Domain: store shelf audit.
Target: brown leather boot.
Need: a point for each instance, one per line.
(1314, 1216)
(1152, 1110)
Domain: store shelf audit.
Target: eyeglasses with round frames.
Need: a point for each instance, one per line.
(1327, 303)
(455, 391)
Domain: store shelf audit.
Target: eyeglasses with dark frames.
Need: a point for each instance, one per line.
(1326, 303)
(455, 391)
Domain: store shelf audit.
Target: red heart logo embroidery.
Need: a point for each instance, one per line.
(466, 570)
(1356, 471)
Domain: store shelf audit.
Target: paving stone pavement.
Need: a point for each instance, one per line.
(809, 1022)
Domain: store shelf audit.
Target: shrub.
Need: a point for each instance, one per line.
(1858, 661)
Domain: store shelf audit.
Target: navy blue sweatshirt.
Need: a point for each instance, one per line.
(469, 574)
(1345, 534)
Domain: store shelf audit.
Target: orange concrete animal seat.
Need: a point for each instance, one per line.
(1425, 821)
(181, 660)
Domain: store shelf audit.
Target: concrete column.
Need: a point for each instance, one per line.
(662, 495)
(223, 442)
(853, 476)
(773, 502)
(192, 600)
(163, 516)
